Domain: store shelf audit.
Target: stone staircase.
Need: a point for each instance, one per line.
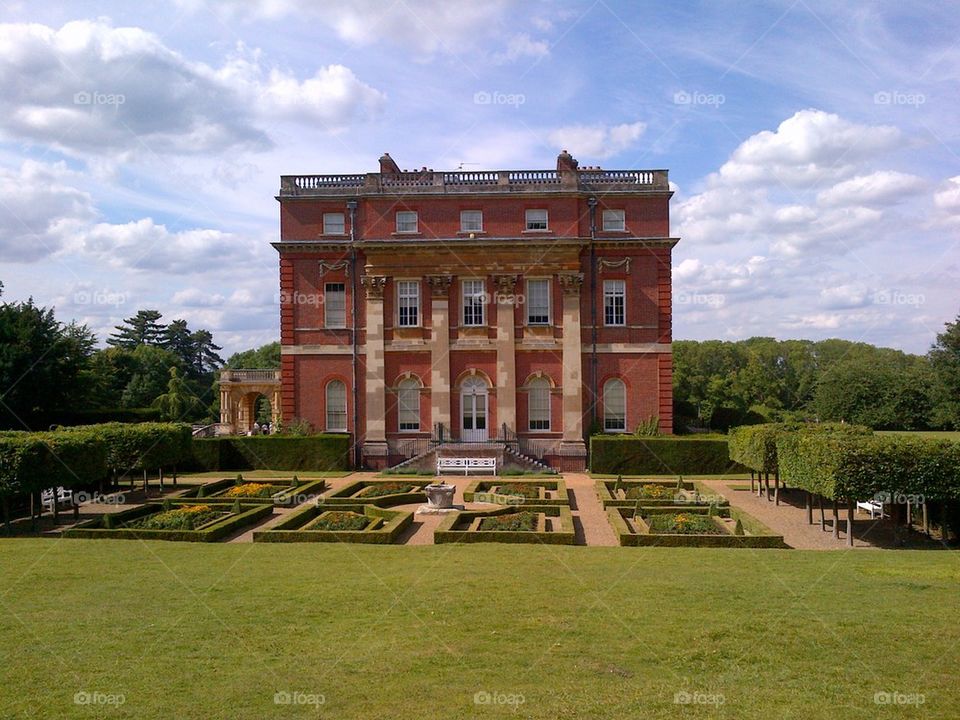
(507, 457)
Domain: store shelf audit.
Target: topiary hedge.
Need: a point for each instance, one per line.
(139, 446)
(272, 452)
(30, 462)
(291, 529)
(755, 446)
(846, 467)
(670, 455)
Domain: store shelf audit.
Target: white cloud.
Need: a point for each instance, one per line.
(882, 187)
(597, 141)
(520, 46)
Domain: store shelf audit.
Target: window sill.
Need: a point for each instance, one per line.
(468, 233)
(407, 233)
(536, 232)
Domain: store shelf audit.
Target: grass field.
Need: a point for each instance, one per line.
(197, 631)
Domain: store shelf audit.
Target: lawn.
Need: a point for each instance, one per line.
(216, 631)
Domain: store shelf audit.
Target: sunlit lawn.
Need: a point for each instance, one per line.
(214, 631)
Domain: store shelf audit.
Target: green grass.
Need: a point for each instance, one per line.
(211, 632)
(284, 475)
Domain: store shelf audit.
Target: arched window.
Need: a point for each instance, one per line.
(538, 403)
(614, 405)
(336, 406)
(408, 404)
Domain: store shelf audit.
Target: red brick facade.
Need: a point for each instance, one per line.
(439, 351)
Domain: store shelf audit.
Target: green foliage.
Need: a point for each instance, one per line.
(649, 427)
(755, 446)
(523, 521)
(144, 328)
(683, 524)
(381, 526)
(188, 517)
(738, 528)
(142, 446)
(340, 520)
(273, 452)
(36, 461)
(120, 525)
(387, 488)
(529, 491)
(265, 357)
(945, 364)
(667, 455)
(179, 401)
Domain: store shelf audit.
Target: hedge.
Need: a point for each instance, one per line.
(272, 452)
(288, 529)
(30, 462)
(451, 530)
(345, 495)
(95, 529)
(856, 468)
(286, 495)
(761, 537)
(670, 455)
(140, 446)
(755, 446)
(482, 491)
(689, 494)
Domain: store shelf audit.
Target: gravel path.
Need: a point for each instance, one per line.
(589, 518)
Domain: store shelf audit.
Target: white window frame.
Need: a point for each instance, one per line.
(406, 215)
(614, 423)
(549, 307)
(463, 224)
(327, 216)
(404, 293)
(613, 216)
(541, 423)
(408, 407)
(329, 306)
(333, 412)
(481, 293)
(528, 222)
(613, 290)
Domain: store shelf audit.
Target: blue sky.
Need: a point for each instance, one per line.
(813, 146)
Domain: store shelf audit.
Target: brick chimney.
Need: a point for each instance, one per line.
(567, 170)
(388, 166)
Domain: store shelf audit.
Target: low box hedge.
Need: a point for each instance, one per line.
(483, 491)
(609, 495)
(347, 495)
(455, 527)
(287, 494)
(290, 529)
(329, 451)
(758, 535)
(96, 529)
(668, 455)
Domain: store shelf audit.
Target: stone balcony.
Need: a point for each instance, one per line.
(249, 376)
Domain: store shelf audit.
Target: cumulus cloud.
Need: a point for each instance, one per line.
(522, 45)
(882, 187)
(597, 141)
(92, 88)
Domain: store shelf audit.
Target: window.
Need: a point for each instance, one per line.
(474, 297)
(406, 221)
(333, 224)
(408, 404)
(471, 221)
(335, 305)
(614, 406)
(536, 219)
(614, 299)
(336, 406)
(538, 401)
(408, 303)
(538, 301)
(614, 220)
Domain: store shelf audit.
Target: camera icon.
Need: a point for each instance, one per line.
(682, 97)
(482, 97)
(882, 98)
(82, 98)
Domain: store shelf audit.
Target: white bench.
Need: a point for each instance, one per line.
(871, 506)
(466, 464)
(48, 498)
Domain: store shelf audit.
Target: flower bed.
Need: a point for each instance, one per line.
(543, 524)
(383, 493)
(279, 492)
(173, 520)
(652, 493)
(517, 492)
(680, 527)
(348, 523)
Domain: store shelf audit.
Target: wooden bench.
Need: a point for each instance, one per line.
(466, 464)
(871, 506)
(60, 496)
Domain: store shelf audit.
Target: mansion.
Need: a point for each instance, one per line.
(476, 306)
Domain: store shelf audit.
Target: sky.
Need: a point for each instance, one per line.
(813, 147)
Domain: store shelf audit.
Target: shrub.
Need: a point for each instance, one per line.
(140, 446)
(755, 446)
(340, 520)
(514, 522)
(524, 490)
(652, 491)
(251, 490)
(668, 455)
(188, 517)
(387, 488)
(272, 452)
(683, 524)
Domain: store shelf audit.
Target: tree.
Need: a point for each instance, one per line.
(149, 379)
(205, 352)
(144, 328)
(178, 339)
(179, 401)
(266, 357)
(945, 362)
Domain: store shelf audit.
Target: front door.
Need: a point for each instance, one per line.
(473, 410)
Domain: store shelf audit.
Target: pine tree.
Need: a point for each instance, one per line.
(178, 339)
(205, 351)
(144, 328)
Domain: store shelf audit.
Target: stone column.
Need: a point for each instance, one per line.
(375, 438)
(572, 449)
(506, 353)
(440, 349)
